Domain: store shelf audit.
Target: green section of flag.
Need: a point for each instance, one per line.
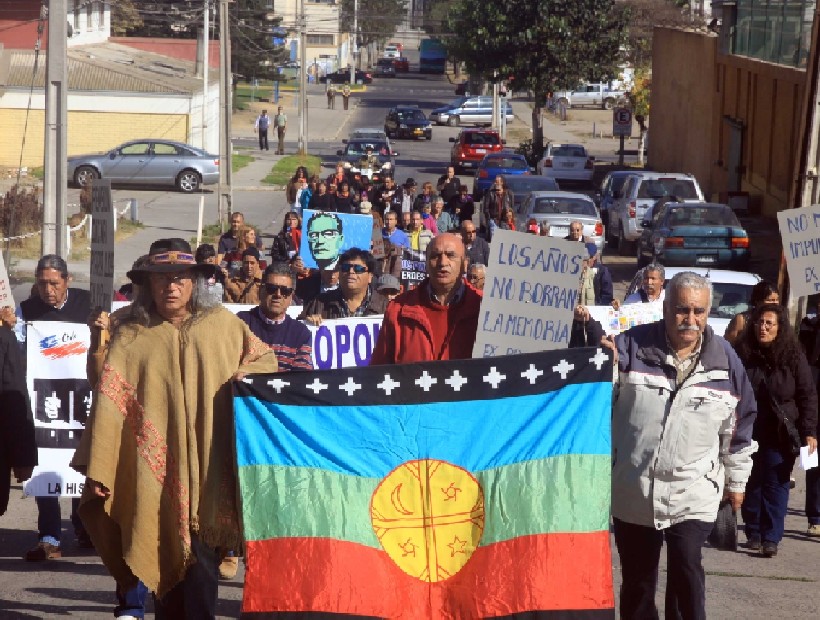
(569, 493)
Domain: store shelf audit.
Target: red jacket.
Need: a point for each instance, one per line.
(406, 335)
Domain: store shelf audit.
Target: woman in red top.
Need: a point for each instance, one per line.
(507, 219)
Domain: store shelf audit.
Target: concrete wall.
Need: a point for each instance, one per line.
(682, 115)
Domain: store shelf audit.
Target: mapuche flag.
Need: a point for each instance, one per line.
(460, 489)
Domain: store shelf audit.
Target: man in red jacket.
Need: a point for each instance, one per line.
(438, 319)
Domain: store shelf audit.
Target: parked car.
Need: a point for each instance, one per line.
(566, 162)
(148, 162)
(642, 190)
(522, 185)
(401, 64)
(356, 148)
(693, 234)
(731, 292)
(468, 111)
(407, 121)
(471, 145)
(501, 163)
(391, 51)
(385, 67)
(610, 190)
(597, 94)
(343, 77)
(558, 209)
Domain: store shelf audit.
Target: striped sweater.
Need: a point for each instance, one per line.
(290, 339)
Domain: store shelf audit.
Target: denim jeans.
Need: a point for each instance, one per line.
(131, 602)
(767, 495)
(194, 598)
(639, 548)
(50, 521)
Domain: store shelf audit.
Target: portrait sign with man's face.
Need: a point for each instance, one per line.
(326, 235)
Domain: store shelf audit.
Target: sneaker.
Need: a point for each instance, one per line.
(42, 552)
(769, 549)
(814, 529)
(753, 543)
(228, 567)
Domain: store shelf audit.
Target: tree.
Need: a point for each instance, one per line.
(124, 17)
(644, 15)
(544, 44)
(639, 101)
(377, 19)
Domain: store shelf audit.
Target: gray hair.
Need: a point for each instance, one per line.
(52, 261)
(279, 268)
(202, 300)
(654, 266)
(480, 266)
(689, 280)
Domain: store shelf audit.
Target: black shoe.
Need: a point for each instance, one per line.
(769, 549)
(753, 543)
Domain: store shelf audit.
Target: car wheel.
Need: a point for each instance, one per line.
(452, 121)
(624, 246)
(188, 181)
(609, 104)
(85, 175)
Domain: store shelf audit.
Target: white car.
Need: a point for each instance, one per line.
(731, 292)
(391, 51)
(567, 162)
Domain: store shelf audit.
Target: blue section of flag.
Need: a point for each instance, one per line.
(48, 342)
(476, 435)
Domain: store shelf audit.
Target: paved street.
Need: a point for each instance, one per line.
(740, 585)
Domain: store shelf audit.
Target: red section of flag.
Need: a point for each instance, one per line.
(65, 350)
(540, 572)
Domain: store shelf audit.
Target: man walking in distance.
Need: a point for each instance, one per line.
(261, 126)
(437, 320)
(280, 121)
(681, 428)
(346, 95)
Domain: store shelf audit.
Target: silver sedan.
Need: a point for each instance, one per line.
(148, 162)
(558, 209)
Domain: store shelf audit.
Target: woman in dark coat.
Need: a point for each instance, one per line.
(18, 451)
(783, 386)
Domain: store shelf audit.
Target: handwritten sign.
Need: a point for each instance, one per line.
(616, 321)
(6, 298)
(102, 245)
(800, 231)
(530, 291)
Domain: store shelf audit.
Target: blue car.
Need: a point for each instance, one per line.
(495, 164)
(610, 191)
(693, 234)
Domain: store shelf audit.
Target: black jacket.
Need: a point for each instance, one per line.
(17, 446)
(331, 305)
(322, 202)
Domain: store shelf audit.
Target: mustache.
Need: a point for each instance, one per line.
(688, 328)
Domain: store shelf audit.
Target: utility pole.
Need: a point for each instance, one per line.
(55, 183)
(206, 40)
(496, 121)
(225, 111)
(355, 45)
(301, 147)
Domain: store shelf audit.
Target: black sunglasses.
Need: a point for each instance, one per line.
(272, 289)
(346, 267)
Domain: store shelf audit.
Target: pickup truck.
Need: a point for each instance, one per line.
(600, 95)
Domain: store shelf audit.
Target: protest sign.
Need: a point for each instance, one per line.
(531, 289)
(102, 245)
(800, 231)
(326, 235)
(343, 343)
(629, 315)
(6, 298)
(61, 401)
(413, 268)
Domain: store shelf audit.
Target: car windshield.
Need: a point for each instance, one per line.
(481, 137)
(701, 216)
(411, 115)
(524, 184)
(508, 163)
(569, 206)
(616, 183)
(569, 151)
(729, 299)
(684, 189)
(360, 148)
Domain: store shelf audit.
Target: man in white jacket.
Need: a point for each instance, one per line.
(681, 429)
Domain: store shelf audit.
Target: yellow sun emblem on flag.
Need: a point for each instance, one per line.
(429, 517)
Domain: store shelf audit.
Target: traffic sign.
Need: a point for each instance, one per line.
(622, 122)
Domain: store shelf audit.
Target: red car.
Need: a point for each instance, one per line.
(471, 145)
(402, 65)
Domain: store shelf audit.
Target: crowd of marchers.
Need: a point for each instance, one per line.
(700, 420)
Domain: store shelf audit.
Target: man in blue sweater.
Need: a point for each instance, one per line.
(290, 339)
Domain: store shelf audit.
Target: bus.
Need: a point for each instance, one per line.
(432, 56)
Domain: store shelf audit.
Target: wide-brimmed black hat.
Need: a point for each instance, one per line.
(168, 256)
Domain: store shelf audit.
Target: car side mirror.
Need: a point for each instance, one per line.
(340, 152)
(452, 139)
(112, 155)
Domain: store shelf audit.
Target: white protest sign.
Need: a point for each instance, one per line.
(102, 245)
(61, 401)
(616, 321)
(800, 231)
(6, 298)
(530, 291)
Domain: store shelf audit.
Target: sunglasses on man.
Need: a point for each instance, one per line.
(273, 289)
(357, 269)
